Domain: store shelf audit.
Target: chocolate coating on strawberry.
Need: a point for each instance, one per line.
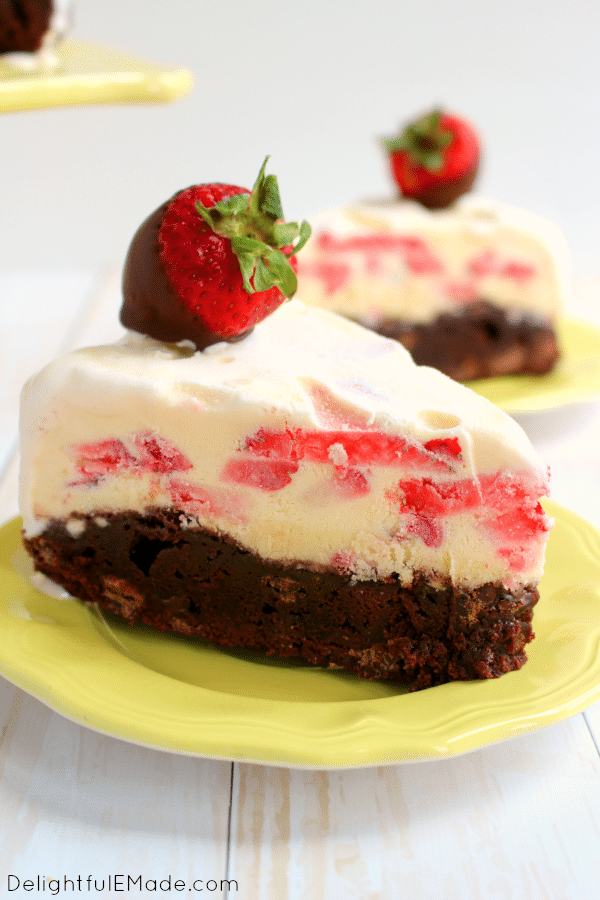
(150, 304)
(211, 263)
(435, 159)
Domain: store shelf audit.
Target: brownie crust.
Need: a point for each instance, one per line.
(480, 341)
(150, 569)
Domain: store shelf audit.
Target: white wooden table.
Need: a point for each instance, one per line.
(517, 820)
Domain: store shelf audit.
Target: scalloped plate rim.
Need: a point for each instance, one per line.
(344, 734)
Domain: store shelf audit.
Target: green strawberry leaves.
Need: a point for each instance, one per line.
(275, 269)
(257, 233)
(233, 206)
(424, 141)
(265, 194)
(264, 267)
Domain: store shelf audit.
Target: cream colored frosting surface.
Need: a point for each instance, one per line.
(312, 440)
(442, 260)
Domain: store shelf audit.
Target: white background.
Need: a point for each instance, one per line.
(313, 83)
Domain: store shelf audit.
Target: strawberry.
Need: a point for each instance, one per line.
(211, 263)
(435, 159)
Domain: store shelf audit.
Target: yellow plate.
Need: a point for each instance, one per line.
(184, 696)
(575, 379)
(89, 74)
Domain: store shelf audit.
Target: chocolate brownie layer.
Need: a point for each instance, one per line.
(150, 569)
(481, 341)
(23, 24)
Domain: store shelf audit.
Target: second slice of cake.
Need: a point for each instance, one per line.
(472, 287)
(475, 290)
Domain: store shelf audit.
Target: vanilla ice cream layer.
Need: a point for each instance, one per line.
(390, 259)
(311, 441)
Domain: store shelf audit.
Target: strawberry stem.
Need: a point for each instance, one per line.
(257, 233)
(424, 141)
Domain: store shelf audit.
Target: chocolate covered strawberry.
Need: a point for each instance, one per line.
(211, 263)
(435, 159)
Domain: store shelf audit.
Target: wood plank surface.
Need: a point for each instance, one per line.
(516, 820)
(74, 801)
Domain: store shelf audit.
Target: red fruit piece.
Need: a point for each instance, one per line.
(211, 263)
(96, 460)
(429, 530)
(273, 444)
(425, 498)
(350, 483)
(435, 159)
(488, 263)
(362, 448)
(444, 447)
(264, 474)
(333, 275)
(197, 499)
(158, 454)
(418, 256)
